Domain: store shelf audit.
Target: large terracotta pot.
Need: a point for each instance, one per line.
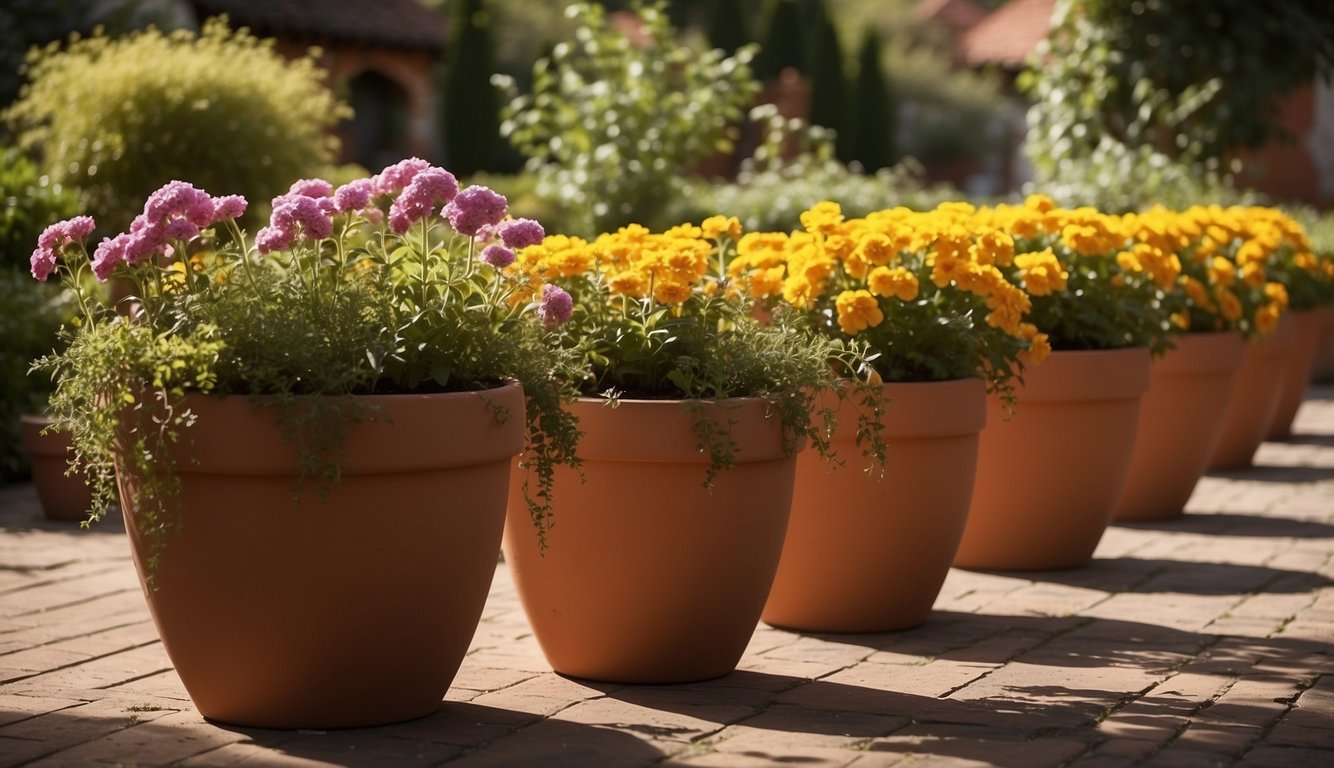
(868, 552)
(648, 576)
(62, 496)
(1049, 478)
(350, 608)
(1181, 419)
(1307, 335)
(1255, 397)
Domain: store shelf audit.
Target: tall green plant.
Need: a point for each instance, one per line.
(613, 124)
(1146, 104)
(472, 104)
(118, 118)
(727, 28)
(872, 140)
(782, 43)
(829, 85)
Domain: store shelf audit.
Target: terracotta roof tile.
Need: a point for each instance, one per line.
(1007, 35)
(956, 15)
(388, 23)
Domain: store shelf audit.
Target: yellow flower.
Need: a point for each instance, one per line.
(1008, 307)
(1266, 318)
(628, 283)
(671, 291)
(1229, 306)
(715, 227)
(765, 282)
(1042, 272)
(1039, 345)
(857, 311)
(884, 281)
(822, 218)
(876, 248)
(1277, 293)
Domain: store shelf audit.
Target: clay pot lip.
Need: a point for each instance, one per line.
(922, 409)
(665, 430)
(38, 443)
(1203, 353)
(426, 420)
(1074, 375)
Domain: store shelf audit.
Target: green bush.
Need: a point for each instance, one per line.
(612, 125)
(29, 201)
(31, 314)
(118, 118)
(771, 192)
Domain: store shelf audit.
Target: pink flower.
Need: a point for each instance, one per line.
(43, 261)
(229, 207)
(429, 187)
(556, 307)
(109, 254)
(398, 175)
(311, 188)
(179, 198)
(63, 233)
(474, 208)
(270, 239)
(292, 211)
(521, 233)
(498, 256)
(180, 229)
(353, 196)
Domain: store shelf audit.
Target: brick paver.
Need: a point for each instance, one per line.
(1200, 641)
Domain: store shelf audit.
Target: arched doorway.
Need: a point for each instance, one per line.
(378, 133)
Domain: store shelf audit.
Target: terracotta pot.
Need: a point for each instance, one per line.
(1255, 397)
(1181, 419)
(1322, 366)
(869, 552)
(63, 497)
(1049, 478)
(648, 576)
(352, 608)
(1309, 328)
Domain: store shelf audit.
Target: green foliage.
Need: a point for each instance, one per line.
(31, 315)
(371, 304)
(872, 129)
(117, 118)
(782, 43)
(29, 201)
(471, 104)
(772, 189)
(1140, 104)
(612, 125)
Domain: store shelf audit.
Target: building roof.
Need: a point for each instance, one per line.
(1007, 35)
(954, 15)
(377, 23)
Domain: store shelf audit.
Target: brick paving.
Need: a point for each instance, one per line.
(1203, 641)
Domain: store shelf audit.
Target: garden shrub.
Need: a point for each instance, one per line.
(29, 201)
(118, 118)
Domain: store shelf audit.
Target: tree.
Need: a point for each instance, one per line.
(781, 40)
(829, 87)
(1158, 96)
(471, 117)
(727, 29)
(872, 140)
(612, 125)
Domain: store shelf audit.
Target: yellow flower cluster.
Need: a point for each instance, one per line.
(634, 262)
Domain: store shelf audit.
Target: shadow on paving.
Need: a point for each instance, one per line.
(1235, 524)
(1307, 438)
(459, 733)
(1275, 473)
(1155, 576)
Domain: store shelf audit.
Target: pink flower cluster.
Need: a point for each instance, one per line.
(556, 306)
(55, 237)
(177, 211)
(429, 187)
(476, 209)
